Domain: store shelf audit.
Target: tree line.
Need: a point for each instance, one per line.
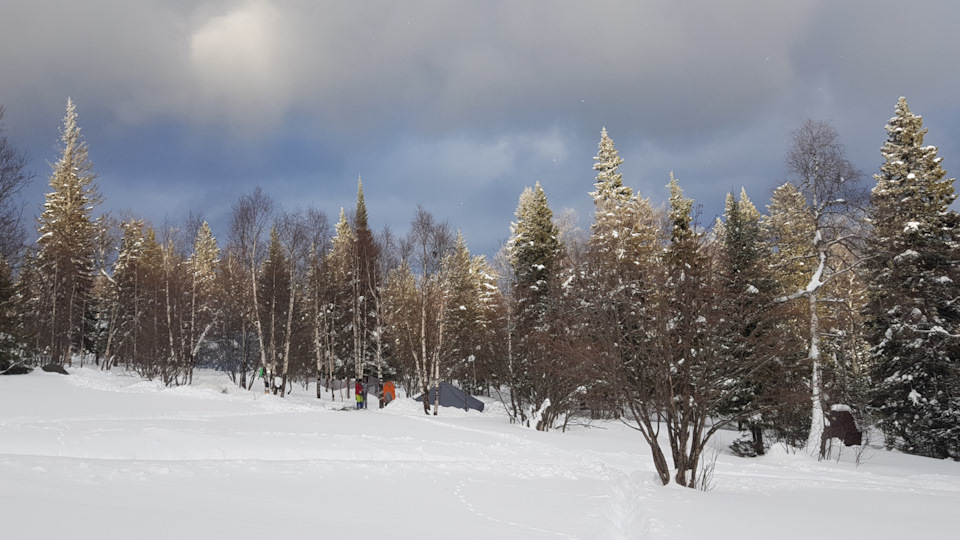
(835, 296)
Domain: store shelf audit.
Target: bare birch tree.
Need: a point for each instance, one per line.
(251, 217)
(818, 166)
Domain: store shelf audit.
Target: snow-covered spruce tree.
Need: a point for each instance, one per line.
(757, 331)
(339, 272)
(65, 260)
(742, 259)
(464, 313)
(625, 240)
(787, 228)
(127, 295)
(365, 285)
(402, 321)
(624, 226)
(686, 343)
(204, 298)
(609, 182)
(819, 169)
(488, 352)
(147, 349)
(535, 254)
(915, 294)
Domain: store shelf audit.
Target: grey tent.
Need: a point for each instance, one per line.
(451, 396)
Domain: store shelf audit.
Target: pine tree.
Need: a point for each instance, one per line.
(915, 316)
(66, 245)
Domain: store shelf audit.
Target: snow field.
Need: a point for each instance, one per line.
(104, 455)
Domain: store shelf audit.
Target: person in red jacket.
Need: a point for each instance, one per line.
(359, 392)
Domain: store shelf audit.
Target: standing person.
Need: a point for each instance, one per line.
(360, 391)
(366, 388)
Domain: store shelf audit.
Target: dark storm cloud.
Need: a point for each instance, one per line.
(459, 105)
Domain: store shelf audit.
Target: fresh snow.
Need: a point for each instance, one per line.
(100, 455)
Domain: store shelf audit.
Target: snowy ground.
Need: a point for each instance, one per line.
(101, 455)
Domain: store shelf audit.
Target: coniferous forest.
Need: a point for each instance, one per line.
(841, 293)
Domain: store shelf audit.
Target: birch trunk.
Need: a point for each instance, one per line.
(258, 327)
(816, 407)
(289, 332)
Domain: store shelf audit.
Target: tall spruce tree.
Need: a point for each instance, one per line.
(463, 309)
(365, 286)
(203, 295)
(914, 309)
(756, 330)
(535, 255)
(340, 272)
(65, 259)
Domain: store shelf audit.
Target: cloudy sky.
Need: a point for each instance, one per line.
(186, 105)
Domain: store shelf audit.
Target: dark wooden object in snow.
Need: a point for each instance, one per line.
(843, 427)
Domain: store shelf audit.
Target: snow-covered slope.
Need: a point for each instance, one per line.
(101, 455)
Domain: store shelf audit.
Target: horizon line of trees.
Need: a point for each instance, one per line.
(835, 297)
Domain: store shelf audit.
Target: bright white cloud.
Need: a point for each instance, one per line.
(239, 62)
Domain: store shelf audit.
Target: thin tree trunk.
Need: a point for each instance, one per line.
(289, 333)
(256, 315)
(816, 407)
